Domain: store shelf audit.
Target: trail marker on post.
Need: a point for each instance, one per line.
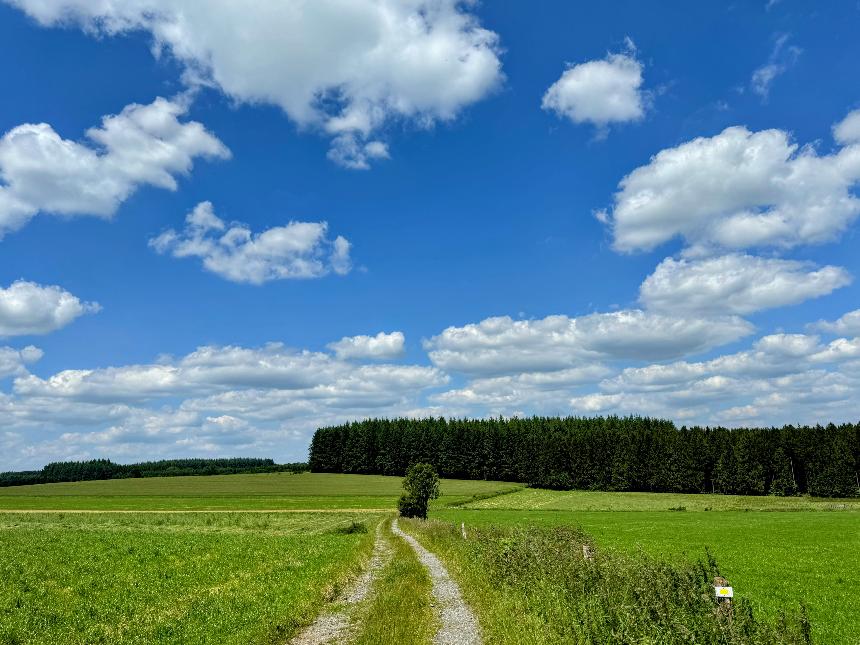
(724, 594)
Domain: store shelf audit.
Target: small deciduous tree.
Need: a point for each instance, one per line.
(421, 484)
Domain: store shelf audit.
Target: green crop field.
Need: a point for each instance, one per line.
(774, 559)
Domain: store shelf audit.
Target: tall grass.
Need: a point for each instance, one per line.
(537, 586)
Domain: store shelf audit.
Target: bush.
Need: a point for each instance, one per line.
(409, 507)
(421, 485)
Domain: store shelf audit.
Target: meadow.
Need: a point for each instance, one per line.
(776, 552)
(104, 565)
(176, 578)
(258, 556)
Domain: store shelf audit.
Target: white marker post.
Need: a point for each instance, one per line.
(724, 594)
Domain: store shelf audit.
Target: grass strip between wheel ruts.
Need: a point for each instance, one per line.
(399, 611)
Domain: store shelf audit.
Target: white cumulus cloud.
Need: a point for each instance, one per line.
(347, 67)
(848, 129)
(736, 284)
(738, 189)
(600, 92)
(143, 145)
(296, 250)
(381, 346)
(502, 345)
(27, 308)
(849, 324)
(13, 362)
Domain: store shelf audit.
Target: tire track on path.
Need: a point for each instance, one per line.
(336, 626)
(459, 625)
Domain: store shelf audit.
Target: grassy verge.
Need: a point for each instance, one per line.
(399, 612)
(534, 585)
(142, 579)
(775, 560)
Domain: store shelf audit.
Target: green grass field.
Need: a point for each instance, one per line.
(151, 578)
(775, 559)
(532, 499)
(243, 575)
(74, 572)
(273, 491)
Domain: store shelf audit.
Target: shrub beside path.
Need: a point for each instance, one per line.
(458, 624)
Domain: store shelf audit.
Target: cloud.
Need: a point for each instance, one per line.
(735, 284)
(784, 378)
(738, 189)
(351, 152)
(346, 68)
(297, 250)
(213, 369)
(382, 346)
(600, 92)
(497, 346)
(770, 356)
(27, 308)
(13, 361)
(266, 401)
(143, 145)
(544, 391)
(847, 131)
(781, 58)
(849, 324)
(216, 400)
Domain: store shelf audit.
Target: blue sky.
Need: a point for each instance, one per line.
(455, 178)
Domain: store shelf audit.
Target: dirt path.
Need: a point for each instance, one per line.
(336, 626)
(459, 625)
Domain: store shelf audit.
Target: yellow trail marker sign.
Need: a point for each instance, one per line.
(724, 592)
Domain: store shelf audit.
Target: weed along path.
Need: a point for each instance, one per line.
(336, 626)
(458, 624)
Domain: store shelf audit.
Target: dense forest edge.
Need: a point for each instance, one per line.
(603, 453)
(75, 471)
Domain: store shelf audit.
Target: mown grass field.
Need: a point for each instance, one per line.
(532, 499)
(785, 551)
(271, 491)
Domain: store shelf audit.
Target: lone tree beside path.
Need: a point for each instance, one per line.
(421, 485)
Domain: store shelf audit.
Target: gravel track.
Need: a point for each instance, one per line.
(459, 625)
(336, 626)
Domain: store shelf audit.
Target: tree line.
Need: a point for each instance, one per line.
(602, 453)
(74, 471)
